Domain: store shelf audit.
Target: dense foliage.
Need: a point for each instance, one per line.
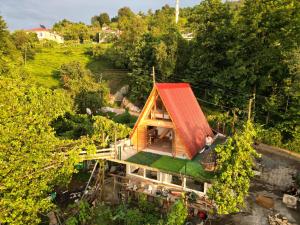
(178, 213)
(9, 56)
(26, 43)
(132, 213)
(72, 31)
(30, 152)
(83, 88)
(235, 162)
(102, 19)
(243, 50)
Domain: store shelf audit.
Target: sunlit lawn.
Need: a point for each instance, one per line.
(47, 62)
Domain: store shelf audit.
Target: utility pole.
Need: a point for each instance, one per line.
(153, 75)
(177, 12)
(254, 98)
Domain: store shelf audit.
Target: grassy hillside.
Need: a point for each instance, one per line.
(45, 66)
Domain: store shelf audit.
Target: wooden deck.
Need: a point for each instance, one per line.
(106, 153)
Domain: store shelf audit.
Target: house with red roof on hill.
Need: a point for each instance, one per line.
(46, 34)
(172, 145)
(171, 122)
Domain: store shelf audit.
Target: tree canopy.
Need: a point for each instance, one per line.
(81, 85)
(30, 152)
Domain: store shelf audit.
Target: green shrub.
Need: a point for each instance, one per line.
(125, 118)
(98, 51)
(72, 221)
(271, 136)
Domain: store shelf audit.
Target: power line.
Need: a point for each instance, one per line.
(211, 103)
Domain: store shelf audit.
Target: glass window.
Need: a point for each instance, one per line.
(177, 180)
(151, 174)
(137, 170)
(194, 185)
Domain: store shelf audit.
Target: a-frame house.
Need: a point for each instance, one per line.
(171, 122)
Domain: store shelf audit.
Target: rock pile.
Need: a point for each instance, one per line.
(277, 219)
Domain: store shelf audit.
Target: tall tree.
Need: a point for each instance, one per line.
(26, 43)
(125, 12)
(103, 19)
(132, 28)
(9, 56)
(213, 56)
(72, 31)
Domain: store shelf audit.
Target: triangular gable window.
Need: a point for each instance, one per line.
(158, 110)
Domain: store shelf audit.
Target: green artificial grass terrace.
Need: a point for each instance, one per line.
(175, 165)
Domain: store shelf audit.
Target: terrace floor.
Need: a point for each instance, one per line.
(165, 163)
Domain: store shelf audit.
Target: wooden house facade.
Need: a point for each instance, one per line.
(171, 122)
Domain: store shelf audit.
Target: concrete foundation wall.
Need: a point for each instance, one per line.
(277, 171)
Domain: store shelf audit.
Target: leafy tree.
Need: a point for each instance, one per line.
(9, 56)
(95, 21)
(30, 152)
(178, 213)
(234, 170)
(125, 12)
(134, 217)
(104, 19)
(162, 21)
(72, 31)
(83, 213)
(26, 43)
(105, 131)
(142, 60)
(266, 50)
(73, 126)
(132, 28)
(82, 87)
(213, 54)
(160, 52)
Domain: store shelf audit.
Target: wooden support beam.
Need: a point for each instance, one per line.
(100, 180)
(158, 123)
(164, 133)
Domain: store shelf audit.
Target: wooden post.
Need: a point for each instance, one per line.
(177, 12)
(101, 178)
(249, 108)
(153, 75)
(254, 95)
(115, 144)
(114, 190)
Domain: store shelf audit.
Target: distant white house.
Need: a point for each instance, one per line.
(46, 34)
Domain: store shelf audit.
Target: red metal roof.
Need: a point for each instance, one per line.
(38, 29)
(186, 115)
